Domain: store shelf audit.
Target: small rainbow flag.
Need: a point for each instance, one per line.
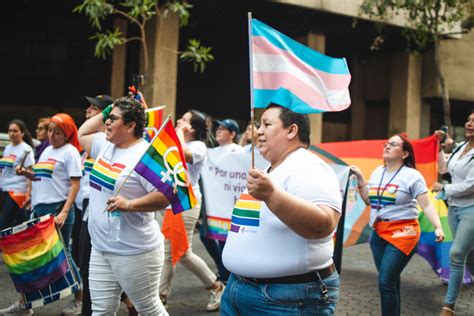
(7, 161)
(44, 169)
(104, 175)
(154, 119)
(164, 166)
(246, 213)
(34, 257)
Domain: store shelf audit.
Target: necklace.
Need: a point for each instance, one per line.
(380, 194)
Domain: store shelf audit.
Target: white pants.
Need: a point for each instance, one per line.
(137, 275)
(189, 260)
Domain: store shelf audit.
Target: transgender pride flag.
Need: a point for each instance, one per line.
(290, 74)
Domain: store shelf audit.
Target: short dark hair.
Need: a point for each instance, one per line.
(132, 111)
(289, 117)
(26, 132)
(408, 147)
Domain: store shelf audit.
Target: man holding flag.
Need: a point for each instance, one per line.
(279, 248)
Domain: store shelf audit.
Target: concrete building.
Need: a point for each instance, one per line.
(47, 65)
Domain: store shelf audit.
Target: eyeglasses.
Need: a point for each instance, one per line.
(391, 144)
(113, 118)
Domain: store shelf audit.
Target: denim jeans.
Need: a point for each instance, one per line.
(10, 213)
(66, 230)
(461, 222)
(246, 298)
(390, 263)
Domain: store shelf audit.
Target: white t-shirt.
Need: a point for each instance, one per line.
(260, 245)
(229, 148)
(139, 232)
(53, 173)
(199, 151)
(460, 190)
(83, 193)
(13, 155)
(398, 200)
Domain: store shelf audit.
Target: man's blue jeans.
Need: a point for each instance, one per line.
(390, 263)
(461, 222)
(247, 298)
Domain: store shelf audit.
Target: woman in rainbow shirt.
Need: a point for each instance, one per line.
(392, 192)
(56, 181)
(16, 190)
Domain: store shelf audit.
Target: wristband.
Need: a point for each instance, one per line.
(361, 185)
(128, 205)
(106, 112)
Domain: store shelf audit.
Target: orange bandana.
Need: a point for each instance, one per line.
(66, 123)
(402, 234)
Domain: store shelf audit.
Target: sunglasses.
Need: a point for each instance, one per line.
(113, 118)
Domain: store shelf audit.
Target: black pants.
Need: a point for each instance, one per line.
(85, 256)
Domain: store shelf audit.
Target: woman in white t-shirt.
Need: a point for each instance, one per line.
(16, 190)
(392, 192)
(460, 198)
(55, 183)
(191, 130)
(130, 259)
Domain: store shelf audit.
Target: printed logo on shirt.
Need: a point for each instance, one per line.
(7, 161)
(44, 169)
(88, 164)
(389, 195)
(103, 175)
(246, 214)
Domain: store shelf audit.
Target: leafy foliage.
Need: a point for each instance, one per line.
(198, 54)
(427, 20)
(139, 12)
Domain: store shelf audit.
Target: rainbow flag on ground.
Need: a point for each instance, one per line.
(295, 76)
(367, 155)
(164, 166)
(154, 119)
(34, 255)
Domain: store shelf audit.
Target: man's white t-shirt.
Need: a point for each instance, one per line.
(139, 232)
(13, 155)
(53, 173)
(260, 245)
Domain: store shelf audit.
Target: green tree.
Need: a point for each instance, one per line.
(428, 22)
(138, 13)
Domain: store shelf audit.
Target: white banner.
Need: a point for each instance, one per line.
(224, 179)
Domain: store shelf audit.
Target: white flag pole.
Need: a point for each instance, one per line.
(252, 105)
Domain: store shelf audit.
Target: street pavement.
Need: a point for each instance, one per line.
(422, 292)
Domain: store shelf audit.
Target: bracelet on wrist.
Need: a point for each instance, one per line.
(128, 206)
(361, 185)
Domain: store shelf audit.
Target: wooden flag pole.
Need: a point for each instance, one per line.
(252, 105)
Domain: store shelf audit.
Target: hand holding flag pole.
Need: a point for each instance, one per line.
(133, 169)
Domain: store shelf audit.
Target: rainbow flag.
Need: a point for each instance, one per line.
(164, 166)
(35, 257)
(367, 155)
(154, 119)
(295, 76)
